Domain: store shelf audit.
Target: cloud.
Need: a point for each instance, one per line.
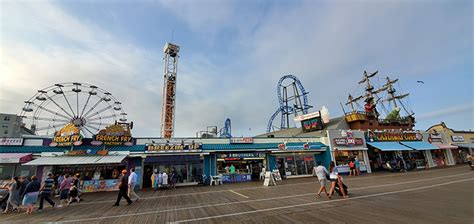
(450, 111)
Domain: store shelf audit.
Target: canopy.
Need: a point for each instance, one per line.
(76, 160)
(465, 145)
(15, 157)
(445, 146)
(389, 146)
(420, 145)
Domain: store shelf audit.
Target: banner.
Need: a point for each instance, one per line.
(100, 185)
(393, 136)
(242, 140)
(174, 147)
(102, 152)
(11, 141)
(68, 135)
(113, 135)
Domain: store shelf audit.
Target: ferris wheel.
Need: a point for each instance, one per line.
(88, 107)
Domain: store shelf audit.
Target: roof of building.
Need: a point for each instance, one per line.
(335, 124)
(442, 124)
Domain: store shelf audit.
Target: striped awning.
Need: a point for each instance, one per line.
(76, 160)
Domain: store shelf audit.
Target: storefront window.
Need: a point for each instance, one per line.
(91, 172)
(298, 164)
(6, 171)
(183, 173)
(343, 156)
(309, 161)
(290, 165)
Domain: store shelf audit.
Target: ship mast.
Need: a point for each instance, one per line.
(369, 89)
(391, 92)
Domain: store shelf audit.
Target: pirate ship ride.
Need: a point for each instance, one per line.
(394, 113)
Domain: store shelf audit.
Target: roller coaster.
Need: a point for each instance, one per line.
(290, 102)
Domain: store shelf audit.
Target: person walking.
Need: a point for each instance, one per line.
(321, 172)
(64, 186)
(14, 197)
(31, 193)
(232, 172)
(132, 181)
(73, 194)
(335, 179)
(155, 180)
(25, 183)
(357, 166)
(46, 191)
(123, 189)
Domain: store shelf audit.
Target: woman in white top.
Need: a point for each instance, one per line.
(335, 179)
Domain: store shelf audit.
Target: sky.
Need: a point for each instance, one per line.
(234, 52)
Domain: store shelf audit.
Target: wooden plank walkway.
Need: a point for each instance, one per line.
(292, 201)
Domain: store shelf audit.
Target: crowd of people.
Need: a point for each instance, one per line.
(24, 193)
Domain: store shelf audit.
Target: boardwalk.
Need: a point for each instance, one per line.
(433, 196)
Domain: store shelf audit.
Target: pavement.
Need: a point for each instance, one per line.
(442, 195)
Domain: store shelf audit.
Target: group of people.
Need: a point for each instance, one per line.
(24, 193)
(354, 167)
(163, 180)
(127, 185)
(335, 179)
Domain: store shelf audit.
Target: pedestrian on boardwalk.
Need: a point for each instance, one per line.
(73, 194)
(352, 169)
(357, 166)
(321, 172)
(31, 194)
(335, 179)
(14, 198)
(232, 172)
(132, 181)
(155, 180)
(64, 186)
(46, 191)
(25, 183)
(123, 189)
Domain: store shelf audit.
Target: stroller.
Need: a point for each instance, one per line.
(337, 189)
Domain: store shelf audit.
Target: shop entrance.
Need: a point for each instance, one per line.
(297, 164)
(148, 171)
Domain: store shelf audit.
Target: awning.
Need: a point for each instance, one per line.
(465, 145)
(445, 146)
(419, 145)
(389, 146)
(76, 160)
(15, 157)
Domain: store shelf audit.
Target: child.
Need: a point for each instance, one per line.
(73, 194)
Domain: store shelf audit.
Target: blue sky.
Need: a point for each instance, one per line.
(234, 52)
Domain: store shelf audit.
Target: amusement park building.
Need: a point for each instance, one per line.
(190, 158)
(373, 148)
(464, 140)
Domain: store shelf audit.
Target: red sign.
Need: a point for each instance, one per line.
(348, 141)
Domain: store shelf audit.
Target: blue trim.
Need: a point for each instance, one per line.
(389, 146)
(420, 145)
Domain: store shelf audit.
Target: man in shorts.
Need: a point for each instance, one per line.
(321, 172)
